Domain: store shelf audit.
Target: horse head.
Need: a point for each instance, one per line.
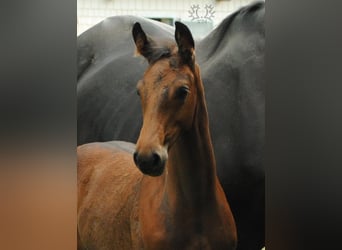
(168, 93)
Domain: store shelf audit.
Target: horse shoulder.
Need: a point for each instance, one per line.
(107, 187)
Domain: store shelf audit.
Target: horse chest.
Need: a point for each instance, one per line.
(164, 233)
(185, 241)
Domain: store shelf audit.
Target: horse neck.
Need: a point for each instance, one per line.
(191, 168)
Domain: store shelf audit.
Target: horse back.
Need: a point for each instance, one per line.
(108, 183)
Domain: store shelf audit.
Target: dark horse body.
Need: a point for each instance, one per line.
(232, 61)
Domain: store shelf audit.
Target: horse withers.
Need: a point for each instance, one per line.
(163, 192)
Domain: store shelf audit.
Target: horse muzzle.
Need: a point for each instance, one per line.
(152, 163)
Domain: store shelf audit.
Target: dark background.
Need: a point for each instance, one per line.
(303, 154)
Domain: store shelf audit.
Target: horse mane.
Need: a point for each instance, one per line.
(251, 8)
(222, 29)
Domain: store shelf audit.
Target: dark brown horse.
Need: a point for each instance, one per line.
(178, 203)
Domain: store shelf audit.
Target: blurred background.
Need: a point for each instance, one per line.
(201, 16)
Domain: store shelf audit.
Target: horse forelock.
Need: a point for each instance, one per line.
(159, 51)
(168, 54)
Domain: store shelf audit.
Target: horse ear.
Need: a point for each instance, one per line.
(142, 42)
(185, 42)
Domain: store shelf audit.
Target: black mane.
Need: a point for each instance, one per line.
(244, 15)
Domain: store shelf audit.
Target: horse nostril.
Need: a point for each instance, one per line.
(156, 159)
(135, 158)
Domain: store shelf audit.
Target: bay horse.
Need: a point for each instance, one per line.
(163, 192)
(232, 62)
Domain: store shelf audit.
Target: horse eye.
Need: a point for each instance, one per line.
(182, 92)
(138, 93)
